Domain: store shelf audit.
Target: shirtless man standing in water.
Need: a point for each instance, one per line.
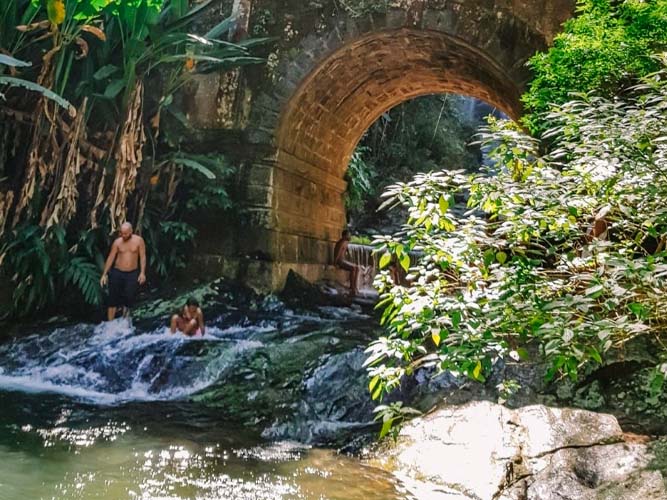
(127, 252)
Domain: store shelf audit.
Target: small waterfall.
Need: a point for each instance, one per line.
(362, 256)
(113, 363)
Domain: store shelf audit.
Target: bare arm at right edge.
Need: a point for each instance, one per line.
(201, 322)
(110, 260)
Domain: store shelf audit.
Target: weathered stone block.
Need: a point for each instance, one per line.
(259, 196)
(260, 175)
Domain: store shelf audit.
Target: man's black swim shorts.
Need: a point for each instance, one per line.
(123, 287)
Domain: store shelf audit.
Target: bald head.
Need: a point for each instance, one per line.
(126, 231)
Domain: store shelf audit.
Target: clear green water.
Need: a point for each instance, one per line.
(53, 448)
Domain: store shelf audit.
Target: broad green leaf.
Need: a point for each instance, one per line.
(385, 260)
(477, 371)
(501, 257)
(105, 72)
(373, 383)
(489, 257)
(638, 309)
(523, 353)
(221, 28)
(11, 61)
(386, 427)
(195, 165)
(405, 261)
(443, 204)
(456, 318)
(114, 88)
(594, 291)
(49, 94)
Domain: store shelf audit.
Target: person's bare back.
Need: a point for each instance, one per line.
(339, 251)
(339, 260)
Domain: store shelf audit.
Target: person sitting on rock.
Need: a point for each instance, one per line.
(190, 321)
(339, 260)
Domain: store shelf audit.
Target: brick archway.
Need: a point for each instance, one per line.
(336, 104)
(337, 74)
(325, 118)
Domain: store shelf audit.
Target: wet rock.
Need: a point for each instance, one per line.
(482, 450)
(298, 291)
(301, 293)
(334, 402)
(616, 471)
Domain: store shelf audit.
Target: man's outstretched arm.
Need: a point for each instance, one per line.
(110, 260)
(142, 261)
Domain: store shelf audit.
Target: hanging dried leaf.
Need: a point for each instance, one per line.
(128, 155)
(83, 48)
(62, 203)
(42, 25)
(98, 202)
(6, 200)
(44, 155)
(94, 30)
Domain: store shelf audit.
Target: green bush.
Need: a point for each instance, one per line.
(604, 48)
(522, 265)
(46, 270)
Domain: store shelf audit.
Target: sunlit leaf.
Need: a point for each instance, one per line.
(56, 11)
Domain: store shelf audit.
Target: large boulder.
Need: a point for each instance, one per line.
(482, 450)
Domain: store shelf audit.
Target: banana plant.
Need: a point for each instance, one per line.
(11, 81)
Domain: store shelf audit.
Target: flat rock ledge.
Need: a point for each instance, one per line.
(485, 451)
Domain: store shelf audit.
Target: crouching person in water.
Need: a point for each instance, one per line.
(190, 321)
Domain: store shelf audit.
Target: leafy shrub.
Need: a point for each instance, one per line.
(44, 268)
(528, 262)
(187, 184)
(604, 48)
(423, 134)
(360, 176)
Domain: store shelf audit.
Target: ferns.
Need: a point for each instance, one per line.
(43, 269)
(85, 276)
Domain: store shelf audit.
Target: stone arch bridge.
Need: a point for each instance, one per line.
(336, 67)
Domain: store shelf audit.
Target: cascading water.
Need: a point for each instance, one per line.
(114, 411)
(362, 256)
(113, 362)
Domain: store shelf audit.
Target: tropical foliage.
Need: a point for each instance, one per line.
(417, 136)
(82, 145)
(563, 250)
(604, 48)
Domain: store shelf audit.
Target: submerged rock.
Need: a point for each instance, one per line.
(482, 450)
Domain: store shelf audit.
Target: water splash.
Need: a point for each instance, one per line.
(114, 363)
(362, 256)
